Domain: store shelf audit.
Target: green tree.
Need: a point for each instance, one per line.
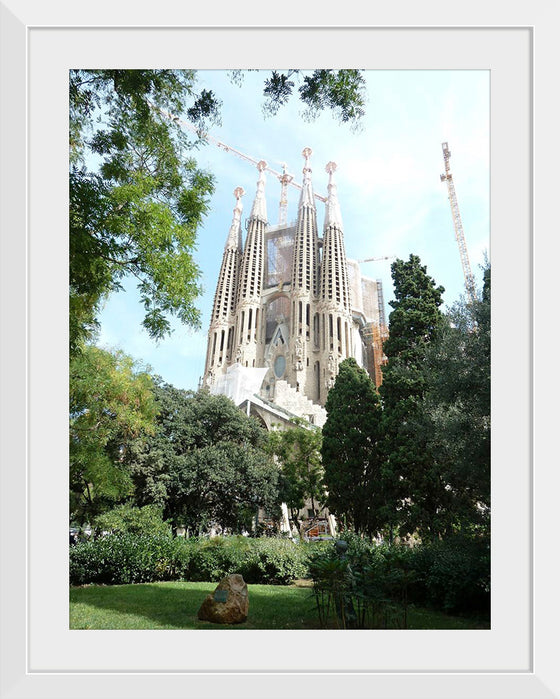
(415, 490)
(111, 405)
(207, 462)
(298, 450)
(457, 408)
(340, 91)
(350, 451)
(136, 199)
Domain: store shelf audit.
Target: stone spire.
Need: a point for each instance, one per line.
(259, 205)
(234, 239)
(332, 213)
(222, 322)
(334, 289)
(306, 244)
(306, 197)
(334, 273)
(303, 371)
(248, 316)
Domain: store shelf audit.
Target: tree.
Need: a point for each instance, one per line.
(340, 91)
(415, 491)
(111, 405)
(298, 450)
(205, 463)
(350, 450)
(137, 198)
(457, 408)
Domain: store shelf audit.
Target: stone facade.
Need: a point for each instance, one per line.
(289, 306)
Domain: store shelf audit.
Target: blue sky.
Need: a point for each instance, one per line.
(391, 197)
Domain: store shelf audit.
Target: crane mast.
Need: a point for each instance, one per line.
(459, 234)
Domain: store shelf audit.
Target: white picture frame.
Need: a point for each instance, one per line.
(40, 656)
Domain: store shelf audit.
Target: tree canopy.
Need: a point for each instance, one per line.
(350, 450)
(111, 405)
(207, 462)
(415, 490)
(298, 451)
(136, 198)
(457, 408)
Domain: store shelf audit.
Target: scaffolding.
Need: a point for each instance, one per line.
(374, 335)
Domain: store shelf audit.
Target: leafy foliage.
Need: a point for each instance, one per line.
(414, 488)
(360, 586)
(125, 557)
(205, 464)
(298, 450)
(342, 92)
(136, 199)
(373, 586)
(457, 408)
(350, 449)
(111, 404)
(132, 520)
(264, 560)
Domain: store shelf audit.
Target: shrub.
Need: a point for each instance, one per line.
(359, 586)
(265, 560)
(119, 559)
(450, 575)
(129, 558)
(453, 575)
(133, 520)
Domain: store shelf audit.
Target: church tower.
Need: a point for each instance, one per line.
(289, 306)
(222, 323)
(248, 340)
(334, 301)
(305, 274)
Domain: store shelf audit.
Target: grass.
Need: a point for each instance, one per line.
(174, 605)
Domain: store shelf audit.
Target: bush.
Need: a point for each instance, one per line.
(129, 558)
(133, 520)
(360, 586)
(453, 575)
(371, 586)
(265, 560)
(119, 559)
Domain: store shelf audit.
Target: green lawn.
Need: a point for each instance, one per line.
(174, 605)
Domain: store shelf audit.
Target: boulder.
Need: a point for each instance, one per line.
(228, 604)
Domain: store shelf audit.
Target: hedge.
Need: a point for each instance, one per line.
(130, 558)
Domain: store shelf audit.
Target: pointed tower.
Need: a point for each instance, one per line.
(222, 322)
(304, 334)
(334, 291)
(248, 332)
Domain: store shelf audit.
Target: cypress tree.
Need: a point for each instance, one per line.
(414, 490)
(350, 454)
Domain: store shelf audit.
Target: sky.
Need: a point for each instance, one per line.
(392, 200)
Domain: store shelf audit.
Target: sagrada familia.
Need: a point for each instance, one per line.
(289, 308)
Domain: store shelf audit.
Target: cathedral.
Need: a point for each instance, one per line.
(290, 307)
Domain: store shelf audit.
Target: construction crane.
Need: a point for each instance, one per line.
(377, 259)
(283, 177)
(459, 235)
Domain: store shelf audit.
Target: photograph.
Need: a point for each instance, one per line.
(279, 349)
(277, 354)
